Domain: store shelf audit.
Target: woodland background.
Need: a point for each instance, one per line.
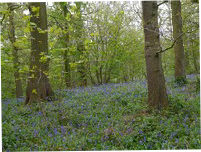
(100, 75)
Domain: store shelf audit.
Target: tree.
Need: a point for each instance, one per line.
(80, 45)
(157, 96)
(67, 74)
(180, 76)
(38, 87)
(19, 91)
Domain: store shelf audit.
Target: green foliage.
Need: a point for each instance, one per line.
(181, 81)
(103, 117)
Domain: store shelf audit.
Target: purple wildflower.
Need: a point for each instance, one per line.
(141, 142)
(176, 140)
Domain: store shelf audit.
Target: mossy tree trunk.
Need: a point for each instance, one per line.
(157, 96)
(38, 87)
(19, 91)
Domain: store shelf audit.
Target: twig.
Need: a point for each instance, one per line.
(4, 15)
(174, 42)
(56, 21)
(171, 45)
(162, 3)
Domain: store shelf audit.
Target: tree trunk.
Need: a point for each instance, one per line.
(180, 75)
(19, 91)
(157, 96)
(187, 58)
(81, 67)
(195, 63)
(38, 87)
(66, 56)
(80, 46)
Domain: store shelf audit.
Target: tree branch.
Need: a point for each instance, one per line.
(162, 3)
(56, 21)
(174, 42)
(171, 45)
(4, 15)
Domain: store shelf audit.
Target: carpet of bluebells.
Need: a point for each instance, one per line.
(106, 117)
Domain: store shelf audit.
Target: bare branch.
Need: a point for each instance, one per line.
(161, 3)
(56, 21)
(171, 45)
(174, 42)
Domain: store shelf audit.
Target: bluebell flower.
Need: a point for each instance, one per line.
(176, 140)
(106, 147)
(145, 138)
(159, 134)
(35, 133)
(174, 133)
(141, 142)
(45, 142)
(34, 124)
(140, 131)
(63, 129)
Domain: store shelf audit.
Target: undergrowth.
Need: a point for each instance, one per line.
(106, 117)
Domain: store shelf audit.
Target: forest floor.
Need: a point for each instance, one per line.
(106, 117)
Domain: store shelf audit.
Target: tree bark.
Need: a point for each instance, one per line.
(38, 87)
(19, 91)
(157, 96)
(80, 46)
(66, 56)
(178, 47)
(187, 58)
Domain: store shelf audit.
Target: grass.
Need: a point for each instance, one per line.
(106, 117)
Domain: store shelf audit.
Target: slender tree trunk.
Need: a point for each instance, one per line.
(97, 77)
(195, 63)
(38, 87)
(19, 91)
(90, 74)
(80, 46)
(81, 67)
(187, 63)
(157, 96)
(66, 56)
(180, 75)
(101, 75)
